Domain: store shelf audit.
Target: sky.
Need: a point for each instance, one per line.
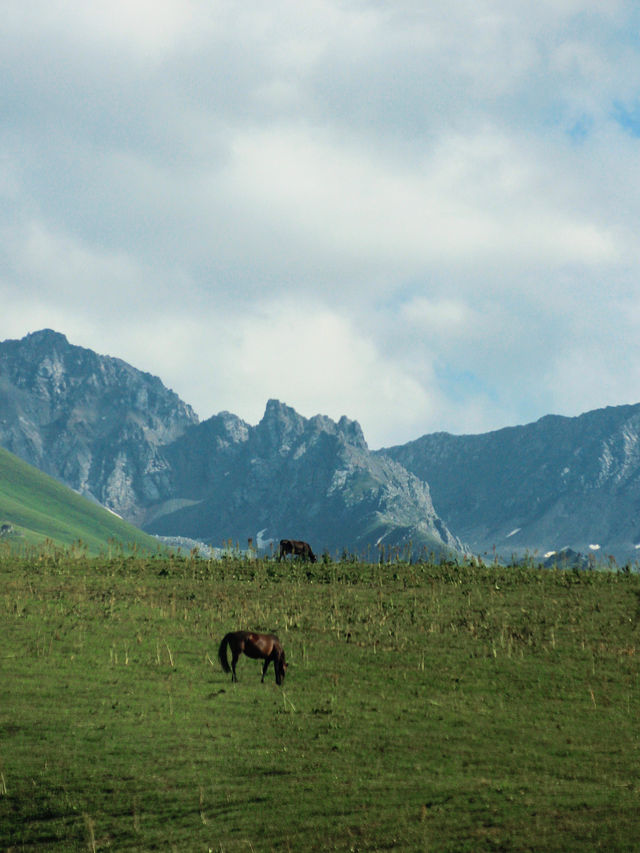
(423, 216)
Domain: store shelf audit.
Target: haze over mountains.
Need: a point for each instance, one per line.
(118, 435)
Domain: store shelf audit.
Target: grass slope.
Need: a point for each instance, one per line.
(444, 708)
(40, 508)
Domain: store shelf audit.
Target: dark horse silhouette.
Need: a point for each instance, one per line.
(265, 647)
(297, 549)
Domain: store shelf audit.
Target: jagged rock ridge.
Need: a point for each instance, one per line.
(311, 476)
(117, 434)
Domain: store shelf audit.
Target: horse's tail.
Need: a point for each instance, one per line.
(222, 653)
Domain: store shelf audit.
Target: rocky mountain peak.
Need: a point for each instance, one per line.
(63, 375)
(115, 433)
(280, 428)
(352, 432)
(93, 421)
(291, 476)
(224, 430)
(47, 339)
(280, 416)
(233, 427)
(283, 427)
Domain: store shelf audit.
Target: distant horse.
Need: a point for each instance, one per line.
(265, 647)
(297, 549)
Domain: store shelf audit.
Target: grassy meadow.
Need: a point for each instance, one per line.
(40, 509)
(430, 706)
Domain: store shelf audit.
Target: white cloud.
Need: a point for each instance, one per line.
(448, 194)
(473, 200)
(439, 318)
(317, 361)
(152, 27)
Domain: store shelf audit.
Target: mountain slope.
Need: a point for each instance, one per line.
(37, 507)
(557, 483)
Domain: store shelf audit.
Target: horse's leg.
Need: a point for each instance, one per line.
(265, 667)
(234, 661)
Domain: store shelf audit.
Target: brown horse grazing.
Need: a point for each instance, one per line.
(266, 647)
(297, 549)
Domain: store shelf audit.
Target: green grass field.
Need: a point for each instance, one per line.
(426, 707)
(39, 508)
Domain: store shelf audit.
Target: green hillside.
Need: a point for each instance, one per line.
(38, 507)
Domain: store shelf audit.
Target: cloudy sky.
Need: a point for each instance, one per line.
(425, 216)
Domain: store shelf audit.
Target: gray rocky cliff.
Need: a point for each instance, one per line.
(92, 421)
(293, 477)
(117, 434)
(559, 483)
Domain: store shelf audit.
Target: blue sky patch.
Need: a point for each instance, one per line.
(628, 118)
(581, 129)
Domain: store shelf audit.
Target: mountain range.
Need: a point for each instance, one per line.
(120, 437)
(558, 484)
